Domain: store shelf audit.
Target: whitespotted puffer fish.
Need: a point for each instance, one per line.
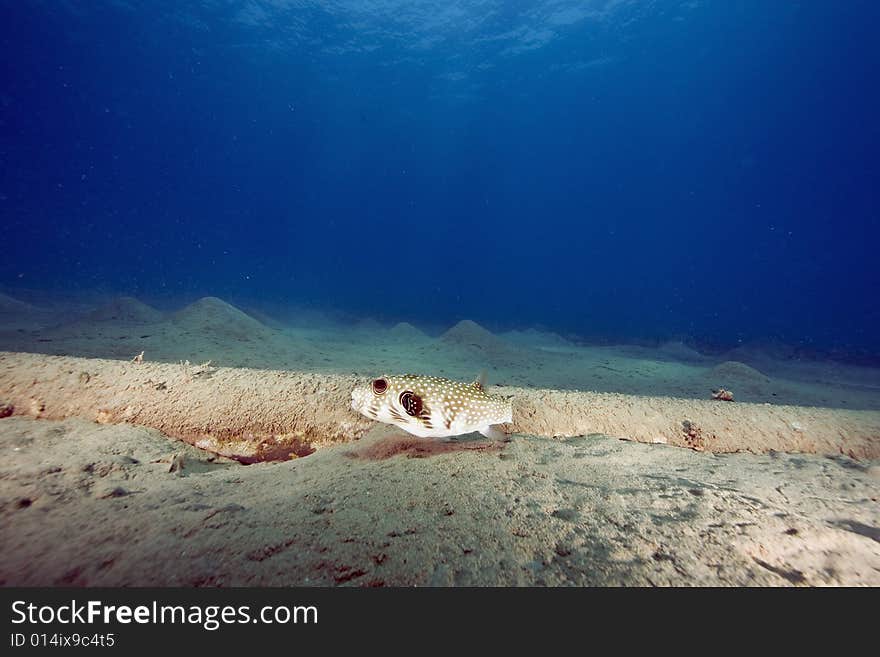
(433, 407)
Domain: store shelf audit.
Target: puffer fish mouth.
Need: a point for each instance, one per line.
(359, 399)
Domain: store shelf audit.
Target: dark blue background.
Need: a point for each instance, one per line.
(714, 177)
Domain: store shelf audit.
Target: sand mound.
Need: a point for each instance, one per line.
(468, 333)
(264, 318)
(731, 372)
(762, 350)
(535, 338)
(406, 331)
(679, 351)
(214, 316)
(126, 309)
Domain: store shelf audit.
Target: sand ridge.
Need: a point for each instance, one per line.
(252, 414)
(198, 382)
(408, 332)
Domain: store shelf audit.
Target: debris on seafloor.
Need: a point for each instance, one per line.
(693, 436)
(722, 394)
(191, 371)
(177, 463)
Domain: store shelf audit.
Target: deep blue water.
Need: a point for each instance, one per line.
(614, 168)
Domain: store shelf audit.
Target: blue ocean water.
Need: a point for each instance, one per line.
(615, 169)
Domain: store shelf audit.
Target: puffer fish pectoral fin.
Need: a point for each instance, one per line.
(480, 382)
(492, 432)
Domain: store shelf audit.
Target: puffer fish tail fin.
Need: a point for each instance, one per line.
(492, 432)
(481, 381)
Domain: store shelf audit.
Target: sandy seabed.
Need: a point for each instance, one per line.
(620, 470)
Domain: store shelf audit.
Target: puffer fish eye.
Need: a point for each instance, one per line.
(380, 386)
(411, 403)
